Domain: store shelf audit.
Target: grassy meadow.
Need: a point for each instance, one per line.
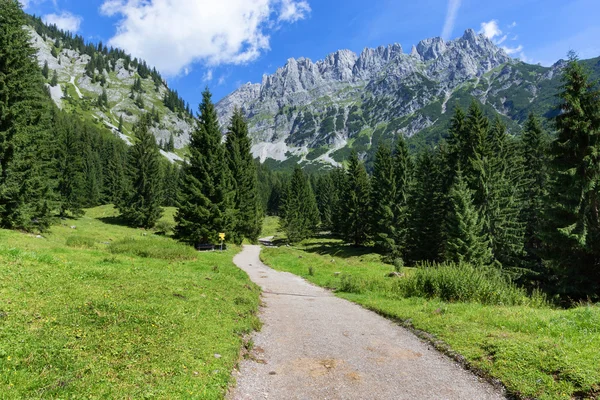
(535, 350)
(97, 310)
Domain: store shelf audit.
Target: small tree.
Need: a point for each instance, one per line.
(54, 80)
(299, 213)
(46, 70)
(356, 204)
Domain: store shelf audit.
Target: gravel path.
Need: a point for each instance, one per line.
(314, 345)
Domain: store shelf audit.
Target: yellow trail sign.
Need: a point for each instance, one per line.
(222, 236)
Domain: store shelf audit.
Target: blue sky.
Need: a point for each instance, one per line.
(225, 43)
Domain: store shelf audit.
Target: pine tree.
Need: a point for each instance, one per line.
(339, 180)
(70, 167)
(143, 204)
(26, 144)
(572, 231)
(248, 222)
(115, 182)
(356, 204)
(205, 203)
(326, 200)
(171, 143)
(120, 128)
(170, 185)
(45, 70)
(535, 178)
(299, 213)
(383, 203)
(54, 80)
(466, 240)
(139, 101)
(426, 220)
(403, 170)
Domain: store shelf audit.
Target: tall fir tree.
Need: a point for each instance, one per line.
(120, 128)
(205, 201)
(299, 213)
(70, 166)
(383, 203)
(142, 207)
(572, 231)
(535, 179)
(403, 170)
(248, 220)
(356, 204)
(465, 240)
(46, 70)
(54, 80)
(340, 181)
(326, 199)
(26, 143)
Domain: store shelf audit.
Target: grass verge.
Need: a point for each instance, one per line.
(534, 350)
(98, 310)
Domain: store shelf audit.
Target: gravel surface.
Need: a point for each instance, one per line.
(314, 345)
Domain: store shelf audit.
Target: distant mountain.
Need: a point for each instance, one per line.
(85, 70)
(317, 112)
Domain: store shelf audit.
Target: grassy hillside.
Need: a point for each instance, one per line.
(105, 311)
(535, 350)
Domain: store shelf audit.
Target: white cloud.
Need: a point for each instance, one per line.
(513, 50)
(208, 76)
(490, 29)
(451, 14)
(513, 25)
(292, 11)
(222, 79)
(173, 34)
(28, 3)
(65, 21)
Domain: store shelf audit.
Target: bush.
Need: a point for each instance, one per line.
(164, 227)
(150, 247)
(81, 242)
(465, 283)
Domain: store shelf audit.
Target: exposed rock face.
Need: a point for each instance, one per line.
(352, 100)
(75, 84)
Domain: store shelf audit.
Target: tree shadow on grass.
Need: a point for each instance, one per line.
(119, 221)
(335, 248)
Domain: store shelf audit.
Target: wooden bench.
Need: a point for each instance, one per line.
(205, 246)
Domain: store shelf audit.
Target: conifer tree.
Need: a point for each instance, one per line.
(383, 203)
(339, 180)
(572, 232)
(535, 177)
(326, 200)
(115, 182)
(248, 221)
(26, 148)
(403, 170)
(170, 184)
(171, 143)
(46, 70)
(120, 128)
(70, 167)
(54, 80)
(299, 213)
(465, 240)
(143, 204)
(426, 235)
(139, 101)
(205, 203)
(356, 204)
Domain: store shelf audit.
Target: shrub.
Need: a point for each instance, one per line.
(311, 270)
(81, 242)
(164, 227)
(465, 283)
(150, 247)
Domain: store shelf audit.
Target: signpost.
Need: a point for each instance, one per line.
(222, 237)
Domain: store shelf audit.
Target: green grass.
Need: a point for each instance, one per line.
(271, 227)
(536, 351)
(106, 311)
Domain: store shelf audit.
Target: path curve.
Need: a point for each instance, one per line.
(314, 345)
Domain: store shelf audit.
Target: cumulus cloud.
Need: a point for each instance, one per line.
(451, 14)
(65, 21)
(173, 34)
(292, 11)
(208, 76)
(490, 29)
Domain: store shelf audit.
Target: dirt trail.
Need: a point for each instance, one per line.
(316, 346)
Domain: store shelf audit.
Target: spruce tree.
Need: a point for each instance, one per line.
(465, 240)
(26, 143)
(205, 203)
(142, 207)
(572, 231)
(54, 80)
(326, 200)
(248, 221)
(171, 143)
(535, 178)
(46, 70)
(299, 213)
(120, 128)
(70, 167)
(356, 202)
(383, 203)
(403, 170)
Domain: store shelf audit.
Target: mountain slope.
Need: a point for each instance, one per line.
(85, 72)
(317, 112)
